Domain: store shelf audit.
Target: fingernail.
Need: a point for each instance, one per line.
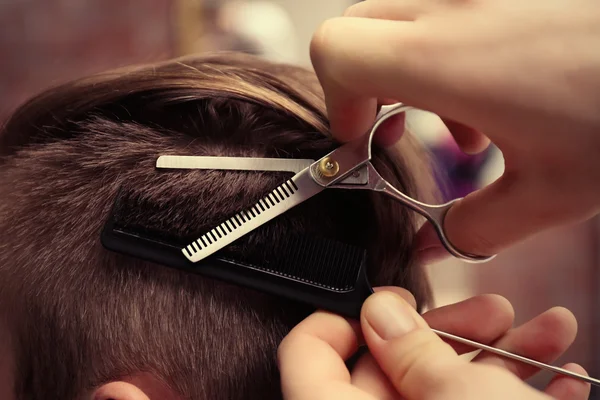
(389, 316)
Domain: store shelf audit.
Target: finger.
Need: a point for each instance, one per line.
(339, 51)
(359, 60)
(419, 364)
(366, 374)
(544, 338)
(521, 203)
(468, 139)
(368, 377)
(427, 246)
(398, 10)
(405, 348)
(391, 130)
(565, 388)
(313, 353)
(500, 214)
(483, 319)
(386, 102)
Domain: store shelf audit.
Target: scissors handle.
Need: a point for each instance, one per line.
(332, 171)
(435, 214)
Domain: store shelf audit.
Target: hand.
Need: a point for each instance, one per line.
(408, 361)
(525, 73)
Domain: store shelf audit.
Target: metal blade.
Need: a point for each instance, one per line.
(291, 193)
(233, 163)
(504, 353)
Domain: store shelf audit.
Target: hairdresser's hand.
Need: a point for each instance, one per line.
(525, 73)
(407, 361)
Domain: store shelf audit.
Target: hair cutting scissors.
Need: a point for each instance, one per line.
(347, 167)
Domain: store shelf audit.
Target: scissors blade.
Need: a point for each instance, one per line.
(233, 163)
(287, 195)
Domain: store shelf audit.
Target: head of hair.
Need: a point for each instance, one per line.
(80, 316)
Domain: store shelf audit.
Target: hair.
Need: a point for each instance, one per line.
(79, 315)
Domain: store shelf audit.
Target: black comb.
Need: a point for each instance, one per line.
(317, 271)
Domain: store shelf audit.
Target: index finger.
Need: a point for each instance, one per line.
(356, 61)
(312, 357)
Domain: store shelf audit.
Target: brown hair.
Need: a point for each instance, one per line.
(80, 315)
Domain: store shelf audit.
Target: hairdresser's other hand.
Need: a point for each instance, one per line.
(407, 361)
(525, 73)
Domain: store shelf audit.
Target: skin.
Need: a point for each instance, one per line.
(525, 73)
(537, 105)
(141, 386)
(311, 358)
(407, 361)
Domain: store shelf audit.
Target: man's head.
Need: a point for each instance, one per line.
(79, 321)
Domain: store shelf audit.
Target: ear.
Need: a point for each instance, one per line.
(119, 391)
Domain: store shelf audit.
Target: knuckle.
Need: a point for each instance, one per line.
(459, 380)
(353, 10)
(481, 244)
(488, 373)
(286, 345)
(323, 40)
(427, 367)
(281, 350)
(423, 357)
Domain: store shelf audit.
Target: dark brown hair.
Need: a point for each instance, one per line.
(79, 315)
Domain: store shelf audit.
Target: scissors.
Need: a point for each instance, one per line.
(347, 167)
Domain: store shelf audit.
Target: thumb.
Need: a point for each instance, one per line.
(422, 366)
(418, 363)
(513, 208)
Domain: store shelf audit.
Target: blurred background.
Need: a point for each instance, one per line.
(46, 42)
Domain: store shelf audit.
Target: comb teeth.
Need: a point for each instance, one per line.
(316, 261)
(233, 224)
(300, 257)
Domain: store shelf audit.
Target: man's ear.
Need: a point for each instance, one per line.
(119, 391)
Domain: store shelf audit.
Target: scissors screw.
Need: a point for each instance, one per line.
(328, 167)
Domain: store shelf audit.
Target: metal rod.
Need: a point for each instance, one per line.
(504, 353)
